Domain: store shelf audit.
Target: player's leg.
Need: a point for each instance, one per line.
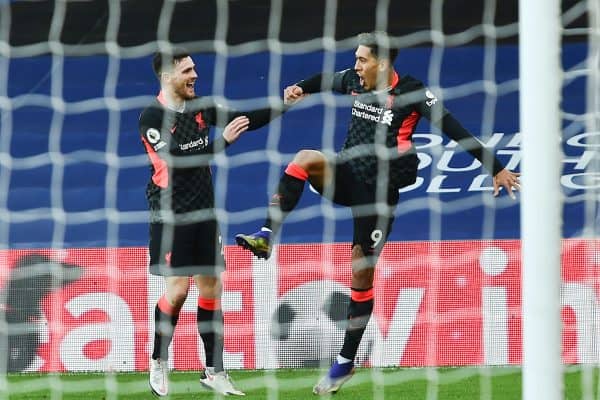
(211, 328)
(165, 257)
(209, 315)
(371, 230)
(359, 313)
(309, 165)
(166, 314)
(209, 318)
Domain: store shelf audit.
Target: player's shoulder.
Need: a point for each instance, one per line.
(408, 83)
(152, 114)
(202, 103)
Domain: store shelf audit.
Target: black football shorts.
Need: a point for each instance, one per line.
(186, 249)
(372, 223)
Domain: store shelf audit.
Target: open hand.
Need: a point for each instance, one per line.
(235, 128)
(509, 180)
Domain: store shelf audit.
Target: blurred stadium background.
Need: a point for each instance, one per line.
(73, 175)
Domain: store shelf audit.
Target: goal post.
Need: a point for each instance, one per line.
(541, 209)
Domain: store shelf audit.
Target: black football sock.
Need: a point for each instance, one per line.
(165, 320)
(359, 313)
(285, 200)
(210, 327)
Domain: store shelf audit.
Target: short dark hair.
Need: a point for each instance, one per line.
(379, 43)
(167, 58)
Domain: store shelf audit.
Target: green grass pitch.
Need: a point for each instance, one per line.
(393, 383)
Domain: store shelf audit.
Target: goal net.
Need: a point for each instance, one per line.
(76, 295)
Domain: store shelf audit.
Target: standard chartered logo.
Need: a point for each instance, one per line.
(372, 113)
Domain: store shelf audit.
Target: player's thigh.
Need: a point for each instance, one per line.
(208, 247)
(340, 184)
(371, 231)
(373, 218)
(177, 288)
(209, 286)
(320, 171)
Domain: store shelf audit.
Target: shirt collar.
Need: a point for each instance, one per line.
(163, 100)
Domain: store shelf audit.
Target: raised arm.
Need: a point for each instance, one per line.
(338, 82)
(220, 115)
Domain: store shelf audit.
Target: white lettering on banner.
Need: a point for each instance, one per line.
(232, 302)
(444, 163)
(494, 312)
(264, 293)
(425, 160)
(583, 161)
(119, 331)
(478, 186)
(493, 261)
(492, 142)
(435, 186)
(515, 141)
(433, 153)
(389, 350)
(581, 140)
(513, 161)
(589, 180)
(474, 312)
(582, 300)
(432, 140)
(418, 183)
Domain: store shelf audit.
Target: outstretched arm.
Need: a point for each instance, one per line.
(502, 176)
(256, 118)
(338, 82)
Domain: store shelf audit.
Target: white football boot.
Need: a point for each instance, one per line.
(219, 382)
(159, 377)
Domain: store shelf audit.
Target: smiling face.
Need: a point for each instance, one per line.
(180, 80)
(373, 72)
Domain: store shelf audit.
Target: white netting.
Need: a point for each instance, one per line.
(73, 175)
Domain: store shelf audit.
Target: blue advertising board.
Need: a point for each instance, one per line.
(76, 171)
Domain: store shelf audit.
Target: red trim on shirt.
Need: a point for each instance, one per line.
(161, 172)
(406, 130)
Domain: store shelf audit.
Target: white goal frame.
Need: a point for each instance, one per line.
(540, 78)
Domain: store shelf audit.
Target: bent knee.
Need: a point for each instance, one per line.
(308, 158)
